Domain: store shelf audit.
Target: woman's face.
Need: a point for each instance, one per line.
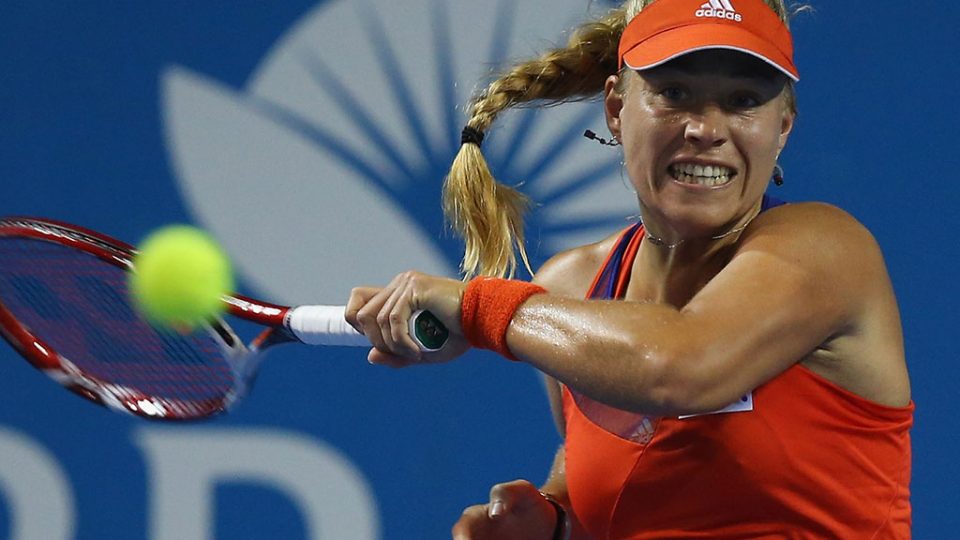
(701, 135)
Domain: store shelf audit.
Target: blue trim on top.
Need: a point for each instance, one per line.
(608, 279)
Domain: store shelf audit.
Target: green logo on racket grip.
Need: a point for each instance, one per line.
(428, 331)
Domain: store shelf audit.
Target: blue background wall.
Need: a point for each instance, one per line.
(83, 141)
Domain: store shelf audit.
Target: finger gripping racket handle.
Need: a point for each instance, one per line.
(326, 325)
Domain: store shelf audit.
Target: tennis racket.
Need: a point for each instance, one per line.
(64, 307)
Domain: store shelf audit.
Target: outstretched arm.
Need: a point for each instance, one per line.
(801, 276)
(804, 278)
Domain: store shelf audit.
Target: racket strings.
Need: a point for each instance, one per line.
(77, 304)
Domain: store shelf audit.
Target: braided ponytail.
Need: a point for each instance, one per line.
(487, 214)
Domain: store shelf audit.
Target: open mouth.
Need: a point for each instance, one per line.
(701, 175)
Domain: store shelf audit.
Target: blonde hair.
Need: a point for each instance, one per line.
(489, 215)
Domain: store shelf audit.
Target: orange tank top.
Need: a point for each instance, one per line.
(799, 457)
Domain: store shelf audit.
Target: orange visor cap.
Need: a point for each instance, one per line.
(667, 29)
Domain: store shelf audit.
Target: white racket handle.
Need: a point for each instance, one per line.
(326, 325)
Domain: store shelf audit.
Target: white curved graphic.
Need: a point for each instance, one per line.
(330, 161)
(299, 225)
(335, 500)
(36, 490)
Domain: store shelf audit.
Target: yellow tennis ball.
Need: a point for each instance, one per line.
(180, 274)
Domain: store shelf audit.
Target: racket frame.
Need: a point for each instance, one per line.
(243, 360)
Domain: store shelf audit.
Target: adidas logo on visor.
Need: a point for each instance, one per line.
(721, 9)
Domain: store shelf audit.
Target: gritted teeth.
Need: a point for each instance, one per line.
(693, 169)
(707, 175)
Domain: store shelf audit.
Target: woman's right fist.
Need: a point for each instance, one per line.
(516, 511)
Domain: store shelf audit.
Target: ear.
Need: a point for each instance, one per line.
(612, 105)
(786, 126)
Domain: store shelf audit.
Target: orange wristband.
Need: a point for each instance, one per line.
(487, 308)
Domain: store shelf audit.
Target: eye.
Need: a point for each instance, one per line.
(745, 100)
(673, 93)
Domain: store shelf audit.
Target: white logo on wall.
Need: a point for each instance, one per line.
(324, 171)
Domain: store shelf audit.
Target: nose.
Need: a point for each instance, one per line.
(706, 128)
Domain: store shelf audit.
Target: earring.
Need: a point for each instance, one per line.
(591, 135)
(778, 174)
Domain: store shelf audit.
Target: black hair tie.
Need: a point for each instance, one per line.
(471, 135)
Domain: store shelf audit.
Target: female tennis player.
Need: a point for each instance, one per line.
(732, 367)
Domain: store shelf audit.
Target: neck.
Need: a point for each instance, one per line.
(677, 240)
(659, 242)
(675, 270)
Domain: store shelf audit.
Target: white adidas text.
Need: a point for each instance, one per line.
(721, 9)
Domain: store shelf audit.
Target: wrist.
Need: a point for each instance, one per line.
(488, 306)
(561, 530)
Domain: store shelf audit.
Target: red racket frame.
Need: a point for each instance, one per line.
(120, 254)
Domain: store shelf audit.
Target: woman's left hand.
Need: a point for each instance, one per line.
(382, 315)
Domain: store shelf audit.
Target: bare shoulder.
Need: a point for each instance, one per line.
(842, 261)
(804, 221)
(827, 247)
(819, 237)
(570, 272)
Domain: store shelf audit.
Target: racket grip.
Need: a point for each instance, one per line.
(326, 325)
(427, 331)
